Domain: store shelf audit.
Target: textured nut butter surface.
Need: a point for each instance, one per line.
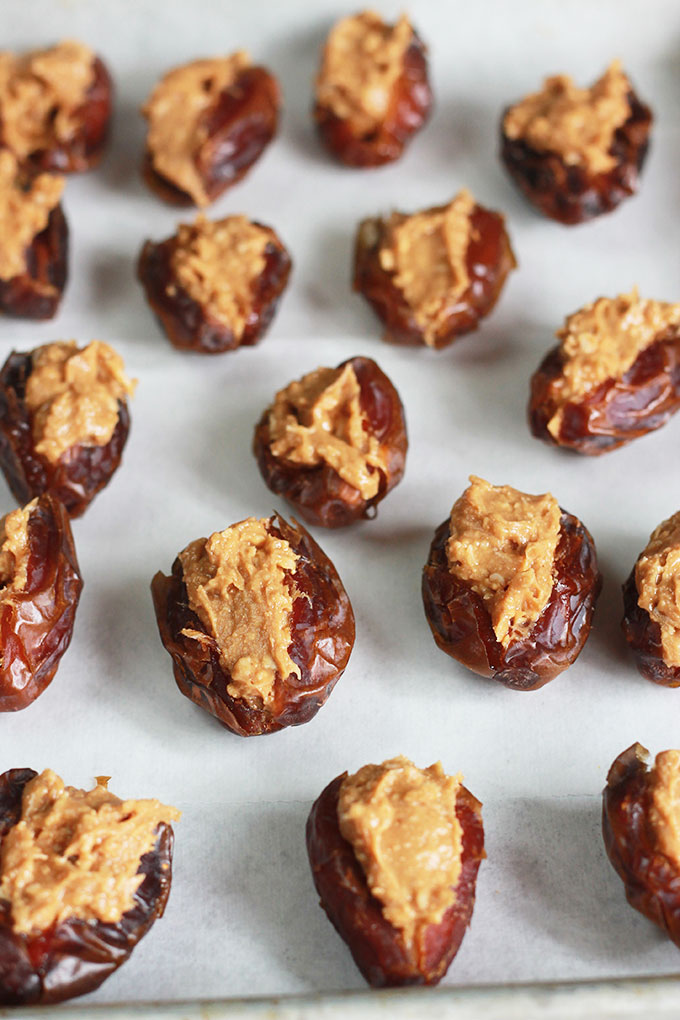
(503, 543)
(14, 550)
(75, 853)
(318, 419)
(657, 579)
(362, 60)
(427, 253)
(576, 124)
(218, 264)
(73, 396)
(664, 813)
(40, 93)
(401, 822)
(236, 585)
(24, 212)
(603, 340)
(175, 111)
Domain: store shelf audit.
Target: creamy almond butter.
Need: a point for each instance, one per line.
(657, 579)
(402, 824)
(576, 124)
(427, 255)
(503, 543)
(602, 341)
(318, 419)
(73, 395)
(75, 853)
(14, 550)
(237, 584)
(218, 264)
(24, 212)
(176, 112)
(664, 812)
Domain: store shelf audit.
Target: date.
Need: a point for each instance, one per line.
(37, 292)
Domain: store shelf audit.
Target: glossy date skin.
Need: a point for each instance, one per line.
(461, 624)
(618, 410)
(378, 948)
(80, 472)
(318, 493)
(36, 293)
(322, 629)
(573, 194)
(409, 108)
(186, 323)
(238, 128)
(489, 260)
(644, 639)
(75, 956)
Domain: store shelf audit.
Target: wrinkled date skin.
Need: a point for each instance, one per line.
(378, 948)
(318, 492)
(74, 956)
(237, 131)
(80, 472)
(618, 410)
(409, 108)
(36, 293)
(461, 624)
(322, 629)
(573, 194)
(36, 624)
(489, 259)
(644, 639)
(651, 879)
(187, 325)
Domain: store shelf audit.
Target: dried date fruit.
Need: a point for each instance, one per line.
(258, 624)
(334, 442)
(372, 90)
(394, 852)
(40, 585)
(209, 121)
(55, 107)
(510, 585)
(215, 286)
(83, 876)
(64, 421)
(431, 276)
(614, 376)
(577, 153)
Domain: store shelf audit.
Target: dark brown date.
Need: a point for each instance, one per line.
(644, 639)
(36, 293)
(462, 627)
(322, 629)
(318, 493)
(489, 259)
(75, 956)
(378, 948)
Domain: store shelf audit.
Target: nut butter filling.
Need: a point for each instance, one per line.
(40, 95)
(218, 265)
(176, 112)
(75, 853)
(318, 419)
(576, 124)
(73, 394)
(362, 62)
(24, 212)
(427, 255)
(602, 341)
(657, 579)
(237, 584)
(14, 551)
(401, 822)
(503, 542)
(664, 814)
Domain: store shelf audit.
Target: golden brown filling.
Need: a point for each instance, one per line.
(427, 255)
(664, 814)
(576, 124)
(176, 112)
(24, 212)
(603, 340)
(362, 61)
(218, 264)
(503, 542)
(14, 550)
(75, 853)
(657, 578)
(236, 583)
(318, 419)
(401, 822)
(73, 395)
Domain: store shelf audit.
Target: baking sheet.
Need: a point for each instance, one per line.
(243, 917)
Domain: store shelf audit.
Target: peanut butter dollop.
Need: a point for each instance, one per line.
(14, 550)
(24, 212)
(664, 814)
(657, 578)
